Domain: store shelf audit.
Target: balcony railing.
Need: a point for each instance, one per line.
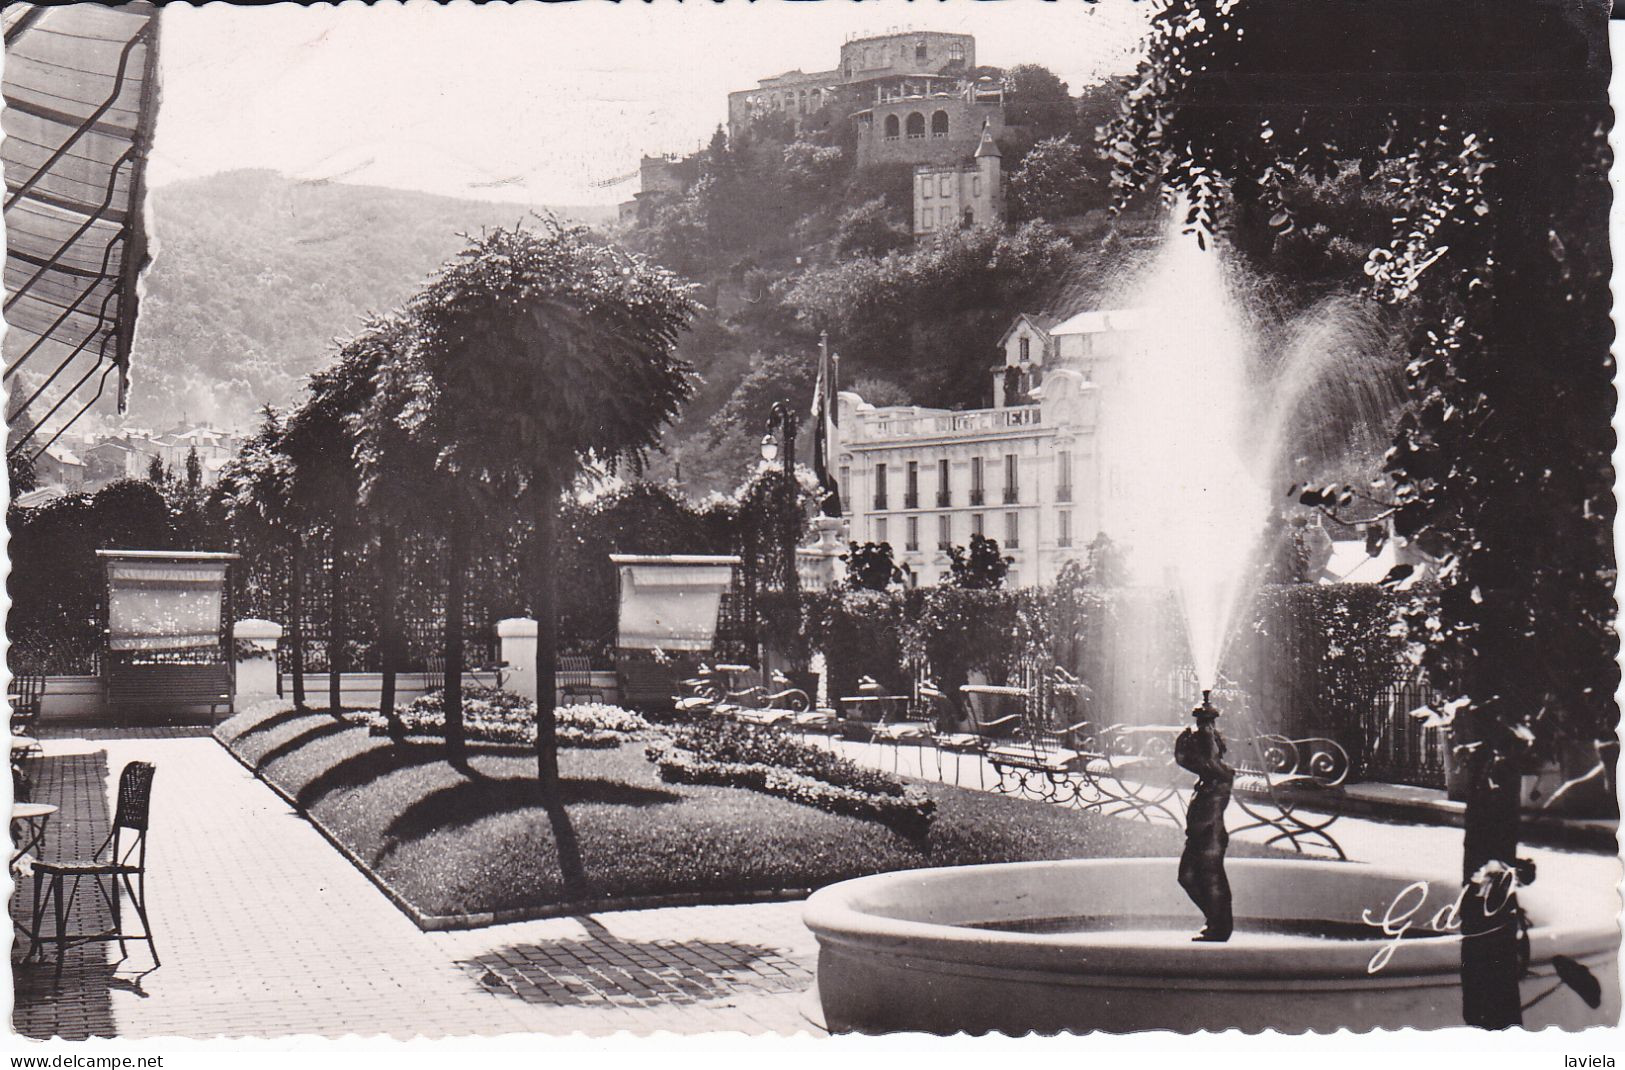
(954, 423)
(976, 496)
(1063, 493)
(911, 501)
(1012, 495)
(944, 499)
(880, 503)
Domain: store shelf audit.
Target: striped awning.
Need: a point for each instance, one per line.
(81, 96)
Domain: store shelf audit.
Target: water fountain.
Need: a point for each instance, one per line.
(1197, 446)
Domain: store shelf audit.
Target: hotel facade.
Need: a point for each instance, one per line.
(1027, 472)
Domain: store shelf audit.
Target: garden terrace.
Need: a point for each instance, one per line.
(464, 847)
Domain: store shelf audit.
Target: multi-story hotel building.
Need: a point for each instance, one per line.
(1027, 472)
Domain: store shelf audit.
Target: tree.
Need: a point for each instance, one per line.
(870, 230)
(772, 378)
(1106, 565)
(321, 441)
(982, 569)
(1501, 465)
(156, 475)
(1053, 181)
(20, 471)
(194, 471)
(408, 489)
(546, 351)
(257, 490)
(871, 567)
(1036, 99)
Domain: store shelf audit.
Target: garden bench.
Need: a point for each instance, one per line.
(1119, 769)
(173, 686)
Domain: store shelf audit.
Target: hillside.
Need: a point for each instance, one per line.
(254, 274)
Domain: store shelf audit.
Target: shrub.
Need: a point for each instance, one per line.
(909, 812)
(733, 743)
(494, 716)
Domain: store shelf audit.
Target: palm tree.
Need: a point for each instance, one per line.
(545, 350)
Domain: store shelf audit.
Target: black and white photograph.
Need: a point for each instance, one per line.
(812, 520)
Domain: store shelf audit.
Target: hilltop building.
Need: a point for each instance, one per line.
(1027, 472)
(960, 195)
(915, 98)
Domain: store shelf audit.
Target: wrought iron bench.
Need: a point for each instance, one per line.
(1288, 785)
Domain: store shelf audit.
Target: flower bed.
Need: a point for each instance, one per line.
(493, 716)
(740, 756)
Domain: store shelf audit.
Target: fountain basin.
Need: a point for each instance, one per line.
(976, 949)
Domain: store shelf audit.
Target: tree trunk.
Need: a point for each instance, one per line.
(1491, 920)
(337, 625)
(544, 603)
(389, 628)
(296, 625)
(456, 583)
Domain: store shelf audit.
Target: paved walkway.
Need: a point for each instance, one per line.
(264, 929)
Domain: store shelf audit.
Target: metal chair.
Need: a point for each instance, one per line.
(118, 861)
(575, 680)
(434, 673)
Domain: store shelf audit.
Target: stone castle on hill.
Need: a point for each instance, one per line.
(912, 98)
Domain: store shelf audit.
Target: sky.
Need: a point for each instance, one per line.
(535, 103)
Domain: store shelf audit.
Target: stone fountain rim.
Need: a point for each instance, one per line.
(835, 921)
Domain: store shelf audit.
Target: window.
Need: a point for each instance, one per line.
(927, 187)
(844, 485)
(956, 51)
(969, 218)
(1063, 528)
(976, 483)
(1063, 476)
(911, 495)
(1012, 489)
(977, 524)
(944, 491)
(880, 486)
(1012, 531)
(939, 124)
(942, 184)
(880, 529)
(891, 128)
(946, 216)
(913, 533)
(915, 126)
(925, 219)
(975, 185)
(1026, 350)
(919, 50)
(945, 530)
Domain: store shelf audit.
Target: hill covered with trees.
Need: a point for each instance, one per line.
(254, 274)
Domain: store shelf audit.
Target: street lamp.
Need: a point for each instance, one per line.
(782, 421)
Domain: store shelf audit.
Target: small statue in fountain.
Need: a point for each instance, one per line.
(1200, 750)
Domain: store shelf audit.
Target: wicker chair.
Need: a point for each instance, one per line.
(118, 861)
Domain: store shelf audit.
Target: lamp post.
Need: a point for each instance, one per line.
(783, 420)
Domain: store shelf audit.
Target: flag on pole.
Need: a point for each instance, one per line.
(823, 418)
